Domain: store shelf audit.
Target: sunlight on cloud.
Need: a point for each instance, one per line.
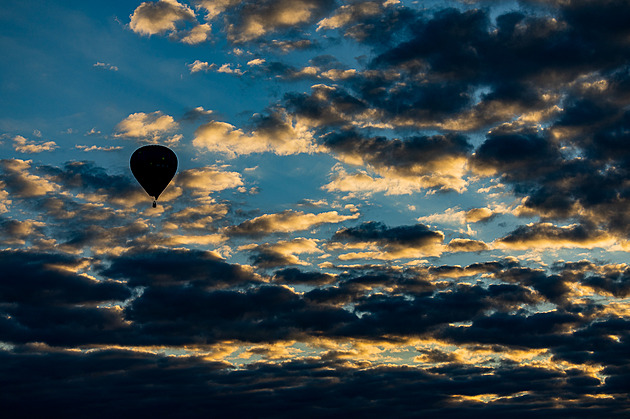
(152, 18)
(287, 221)
(22, 184)
(22, 145)
(283, 139)
(149, 127)
(196, 35)
(205, 180)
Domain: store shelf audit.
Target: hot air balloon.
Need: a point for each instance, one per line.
(153, 166)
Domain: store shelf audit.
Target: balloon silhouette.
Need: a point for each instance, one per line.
(153, 166)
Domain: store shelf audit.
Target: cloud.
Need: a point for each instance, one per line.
(173, 267)
(206, 180)
(256, 62)
(198, 66)
(257, 19)
(411, 241)
(547, 235)
(16, 232)
(286, 221)
(197, 113)
(22, 145)
(97, 148)
(436, 156)
(105, 66)
(199, 217)
(281, 388)
(214, 8)
(22, 184)
(330, 106)
(517, 155)
(196, 35)
(4, 201)
(476, 215)
(146, 126)
(293, 276)
(467, 245)
(273, 133)
(348, 13)
(103, 239)
(227, 69)
(370, 22)
(94, 184)
(151, 18)
(53, 302)
(453, 216)
(282, 253)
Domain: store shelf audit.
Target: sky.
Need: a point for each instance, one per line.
(396, 208)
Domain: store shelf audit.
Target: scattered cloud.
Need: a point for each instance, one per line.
(206, 180)
(198, 66)
(286, 221)
(105, 66)
(22, 145)
(274, 133)
(152, 18)
(146, 126)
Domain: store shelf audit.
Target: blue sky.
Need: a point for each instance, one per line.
(428, 195)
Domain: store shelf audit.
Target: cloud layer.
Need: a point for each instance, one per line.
(405, 210)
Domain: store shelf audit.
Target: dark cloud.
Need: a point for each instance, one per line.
(522, 47)
(618, 285)
(611, 279)
(519, 156)
(549, 235)
(452, 51)
(49, 279)
(181, 305)
(559, 185)
(412, 156)
(463, 70)
(540, 330)
(45, 298)
(169, 267)
(185, 315)
(327, 106)
(293, 276)
(394, 238)
(97, 383)
(86, 177)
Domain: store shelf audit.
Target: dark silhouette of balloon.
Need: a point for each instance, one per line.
(153, 167)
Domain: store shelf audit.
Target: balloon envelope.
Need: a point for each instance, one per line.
(153, 166)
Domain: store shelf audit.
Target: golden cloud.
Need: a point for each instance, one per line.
(22, 145)
(205, 180)
(287, 221)
(147, 126)
(152, 18)
(283, 138)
